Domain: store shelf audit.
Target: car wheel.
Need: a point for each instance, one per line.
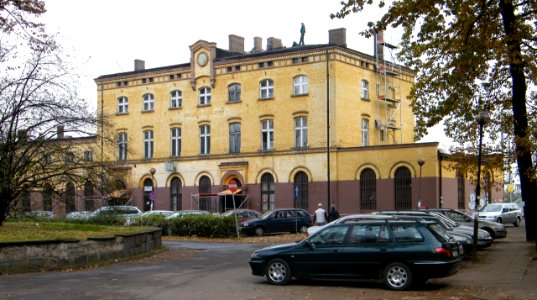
(278, 272)
(259, 231)
(517, 221)
(491, 232)
(397, 276)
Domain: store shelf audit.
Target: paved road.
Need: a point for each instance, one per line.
(220, 271)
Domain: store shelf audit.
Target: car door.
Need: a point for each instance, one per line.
(366, 250)
(319, 255)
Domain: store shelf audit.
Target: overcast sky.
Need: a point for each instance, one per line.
(106, 36)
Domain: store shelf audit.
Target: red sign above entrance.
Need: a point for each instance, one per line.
(232, 185)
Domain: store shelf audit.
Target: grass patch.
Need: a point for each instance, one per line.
(23, 231)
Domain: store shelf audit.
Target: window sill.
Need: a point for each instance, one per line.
(233, 101)
(299, 95)
(175, 108)
(204, 105)
(122, 114)
(365, 99)
(264, 99)
(148, 111)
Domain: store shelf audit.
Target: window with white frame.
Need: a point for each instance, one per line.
(122, 146)
(364, 89)
(176, 99)
(266, 89)
(205, 96)
(234, 92)
(175, 141)
(301, 132)
(149, 102)
(235, 138)
(148, 144)
(205, 139)
(267, 135)
(301, 85)
(122, 105)
(365, 132)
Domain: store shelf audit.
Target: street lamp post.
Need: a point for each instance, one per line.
(421, 161)
(482, 120)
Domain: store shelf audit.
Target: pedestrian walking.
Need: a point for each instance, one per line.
(320, 216)
(333, 214)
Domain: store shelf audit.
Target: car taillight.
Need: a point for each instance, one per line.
(445, 251)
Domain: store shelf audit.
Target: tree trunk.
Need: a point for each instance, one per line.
(522, 141)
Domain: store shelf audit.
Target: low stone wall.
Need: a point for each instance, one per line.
(62, 254)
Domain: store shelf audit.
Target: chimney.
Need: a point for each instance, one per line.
(60, 130)
(236, 43)
(139, 65)
(338, 37)
(258, 44)
(273, 43)
(379, 45)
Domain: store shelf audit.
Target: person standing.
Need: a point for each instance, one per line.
(302, 32)
(333, 214)
(320, 216)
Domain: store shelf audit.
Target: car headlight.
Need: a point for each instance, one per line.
(483, 235)
(255, 255)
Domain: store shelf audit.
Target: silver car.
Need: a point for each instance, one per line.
(496, 230)
(505, 213)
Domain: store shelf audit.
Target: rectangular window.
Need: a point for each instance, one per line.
(148, 102)
(266, 89)
(205, 96)
(148, 144)
(69, 157)
(234, 138)
(88, 156)
(175, 142)
(301, 132)
(365, 132)
(176, 99)
(122, 146)
(234, 92)
(301, 85)
(205, 140)
(267, 135)
(365, 89)
(122, 105)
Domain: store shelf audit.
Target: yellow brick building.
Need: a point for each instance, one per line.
(280, 122)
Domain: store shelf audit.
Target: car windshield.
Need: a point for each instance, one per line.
(266, 214)
(492, 208)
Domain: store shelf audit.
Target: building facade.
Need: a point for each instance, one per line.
(288, 126)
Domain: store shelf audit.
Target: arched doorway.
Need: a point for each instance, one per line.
(176, 194)
(148, 189)
(205, 188)
(47, 197)
(403, 189)
(300, 190)
(368, 190)
(267, 192)
(232, 197)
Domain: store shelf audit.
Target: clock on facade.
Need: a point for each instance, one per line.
(202, 59)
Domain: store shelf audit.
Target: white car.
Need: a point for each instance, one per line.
(162, 213)
(349, 218)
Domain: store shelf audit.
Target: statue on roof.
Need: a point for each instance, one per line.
(302, 32)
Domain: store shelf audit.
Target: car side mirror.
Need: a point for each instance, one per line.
(310, 244)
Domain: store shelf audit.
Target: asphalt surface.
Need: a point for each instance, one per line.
(193, 270)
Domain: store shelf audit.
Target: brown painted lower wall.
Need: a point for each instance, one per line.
(51, 255)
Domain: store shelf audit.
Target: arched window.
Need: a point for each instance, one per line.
(47, 197)
(176, 99)
(403, 189)
(69, 197)
(234, 92)
(26, 202)
(460, 191)
(267, 192)
(176, 194)
(368, 190)
(88, 196)
(235, 138)
(300, 190)
(205, 187)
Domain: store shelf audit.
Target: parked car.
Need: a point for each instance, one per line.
(502, 213)
(313, 229)
(278, 220)
(496, 230)
(37, 214)
(126, 212)
(484, 239)
(162, 213)
(183, 213)
(242, 214)
(364, 249)
(79, 215)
